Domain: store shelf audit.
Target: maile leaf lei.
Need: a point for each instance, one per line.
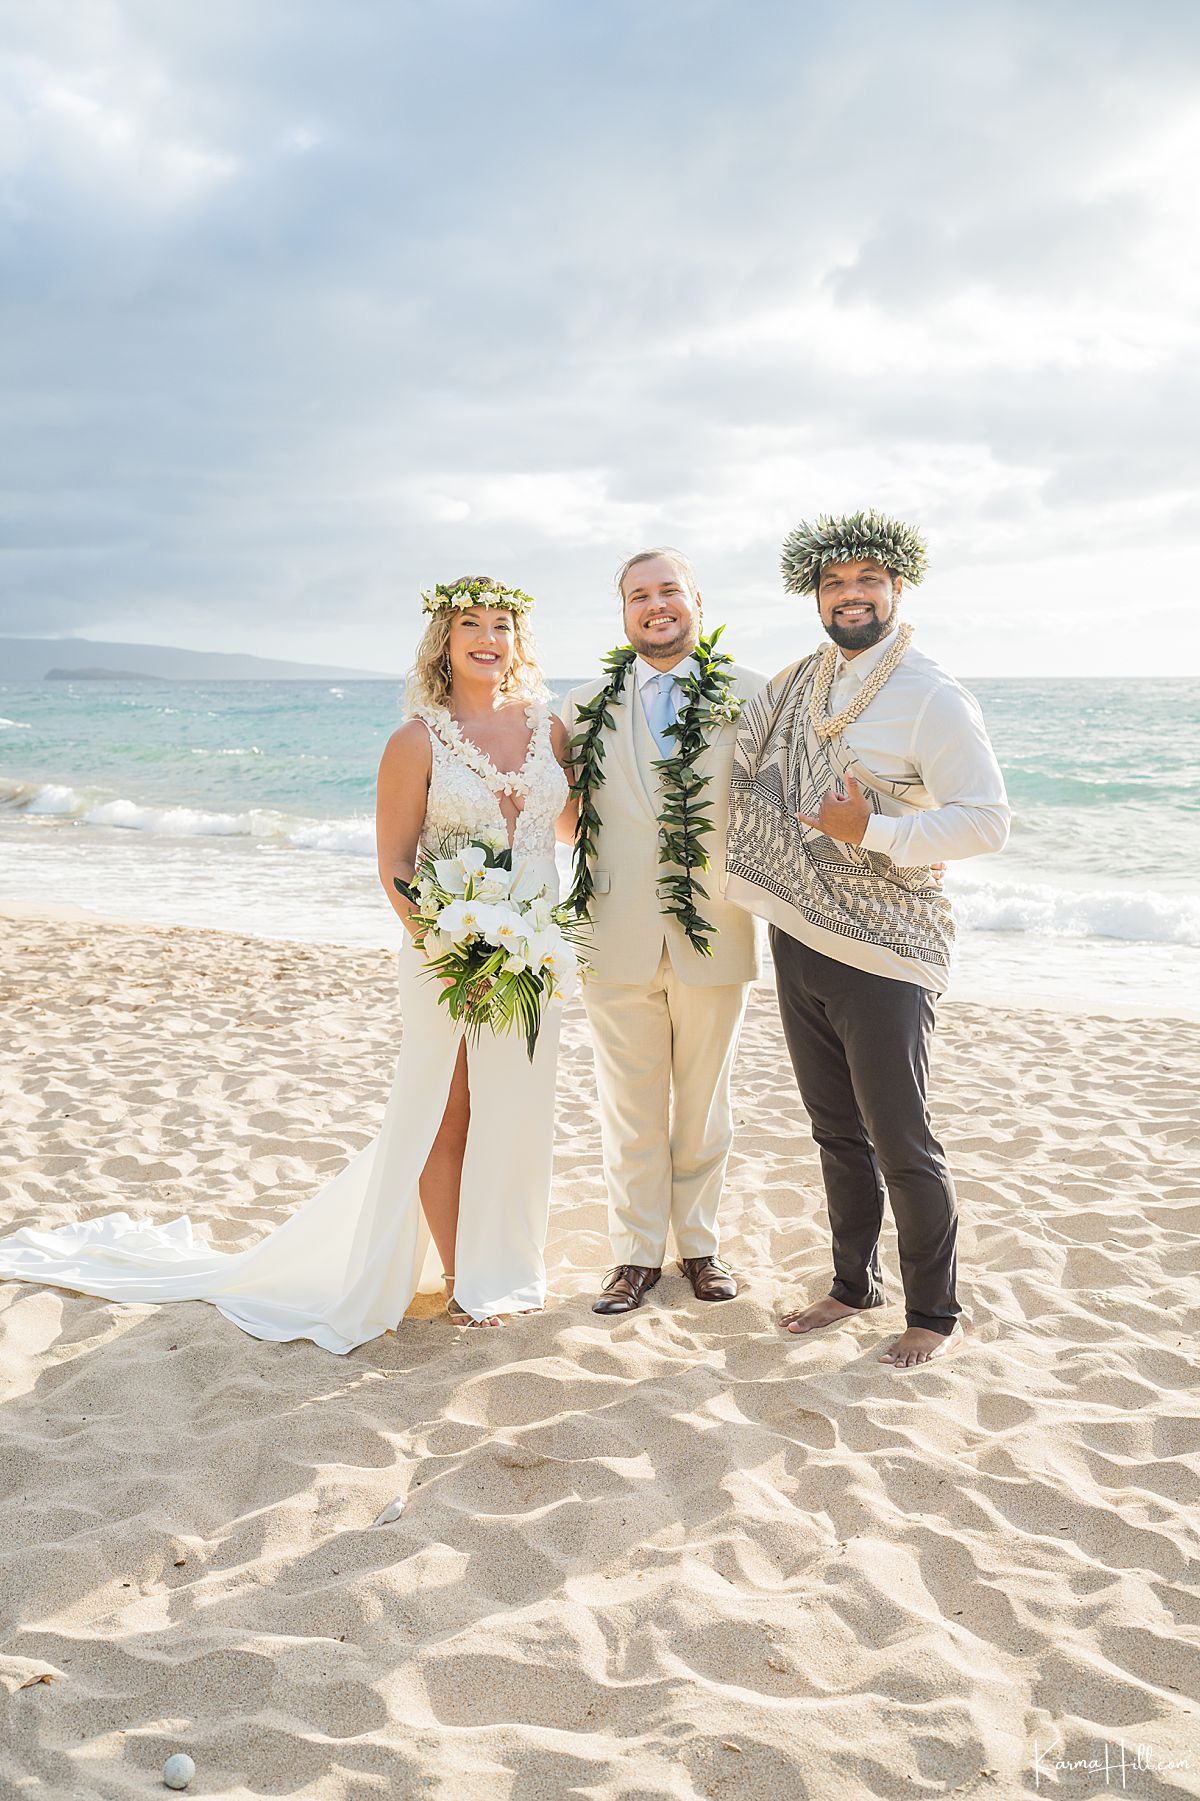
(708, 696)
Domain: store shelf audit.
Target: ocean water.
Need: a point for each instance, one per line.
(247, 806)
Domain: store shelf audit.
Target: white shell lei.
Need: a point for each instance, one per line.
(500, 781)
(887, 666)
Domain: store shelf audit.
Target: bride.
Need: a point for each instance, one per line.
(464, 1152)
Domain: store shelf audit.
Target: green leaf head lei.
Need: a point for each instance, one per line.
(868, 534)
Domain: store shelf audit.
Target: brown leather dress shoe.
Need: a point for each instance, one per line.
(623, 1288)
(710, 1279)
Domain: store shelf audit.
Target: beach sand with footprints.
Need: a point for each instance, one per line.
(673, 1555)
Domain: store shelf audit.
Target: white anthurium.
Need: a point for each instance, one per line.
(450, 875)
(541, 914)
(528, 884)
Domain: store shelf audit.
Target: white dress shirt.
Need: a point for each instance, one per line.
(926, 733)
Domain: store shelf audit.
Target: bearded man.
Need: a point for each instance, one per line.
(671, 960)
(855, 769)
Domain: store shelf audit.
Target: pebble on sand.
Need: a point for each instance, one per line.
(178, 1770)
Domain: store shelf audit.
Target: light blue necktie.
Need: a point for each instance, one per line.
(660, 711)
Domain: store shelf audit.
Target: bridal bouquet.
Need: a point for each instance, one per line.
(502, 948)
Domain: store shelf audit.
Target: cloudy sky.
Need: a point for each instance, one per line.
(305, 306)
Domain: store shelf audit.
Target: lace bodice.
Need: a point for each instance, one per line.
(465, 786)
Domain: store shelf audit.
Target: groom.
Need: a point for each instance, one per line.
(671, 961)
(856, 769)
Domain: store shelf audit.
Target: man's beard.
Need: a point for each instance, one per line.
(655, 650)
(861, 637)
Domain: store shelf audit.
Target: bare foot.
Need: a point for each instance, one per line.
(491, 1321)
(917, 1345)
(821, 1313)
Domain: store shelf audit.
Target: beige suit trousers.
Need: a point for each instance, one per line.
(664, 1052)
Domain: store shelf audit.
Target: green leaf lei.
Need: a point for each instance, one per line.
(709, 697)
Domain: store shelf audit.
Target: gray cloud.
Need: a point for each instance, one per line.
(301, 313)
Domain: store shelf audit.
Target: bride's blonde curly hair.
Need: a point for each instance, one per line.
(429, 678)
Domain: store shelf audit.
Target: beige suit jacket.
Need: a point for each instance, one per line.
(629, 927)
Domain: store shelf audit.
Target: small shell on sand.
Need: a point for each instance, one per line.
(391, 1512)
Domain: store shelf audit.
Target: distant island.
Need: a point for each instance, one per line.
(100, 675)
(45, 659)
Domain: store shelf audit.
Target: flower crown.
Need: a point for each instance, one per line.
(806, 551)
(479, 593)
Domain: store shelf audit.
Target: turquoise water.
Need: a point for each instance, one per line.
(248, 804)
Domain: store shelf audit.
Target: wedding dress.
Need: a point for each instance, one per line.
(345, 1266)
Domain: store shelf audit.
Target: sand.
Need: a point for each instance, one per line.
(677, 1554)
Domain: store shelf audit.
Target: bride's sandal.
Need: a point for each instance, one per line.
(461, 1317)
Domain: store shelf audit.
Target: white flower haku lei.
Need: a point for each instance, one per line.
(500, 781)
(823, 725)
(474, 594)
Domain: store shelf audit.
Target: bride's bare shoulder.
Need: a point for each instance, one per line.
(409, 746)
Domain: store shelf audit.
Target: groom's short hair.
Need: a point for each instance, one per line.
(647, 556)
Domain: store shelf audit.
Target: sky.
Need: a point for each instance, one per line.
(306, 307)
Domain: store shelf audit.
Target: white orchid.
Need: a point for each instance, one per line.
(472, 859)
(505, 928)
(550, 951)
(451, 922)
(464, 919)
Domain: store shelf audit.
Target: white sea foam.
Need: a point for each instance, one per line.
(175, 822)
(17, 725)
(51, 799)
(352, 837)
(1131, 914)
(349, 837)
(982, 902)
